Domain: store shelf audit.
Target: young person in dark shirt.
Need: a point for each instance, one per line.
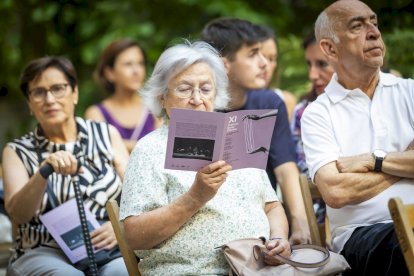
(239, 43)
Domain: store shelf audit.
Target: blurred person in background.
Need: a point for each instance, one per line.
(270, 50)
(121, 71)
(240, 42)
(319, 73)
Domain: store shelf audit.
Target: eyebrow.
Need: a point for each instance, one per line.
(191, 82)
(255, 50)
(361, 18)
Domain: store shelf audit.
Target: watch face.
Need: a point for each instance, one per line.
(380, 153)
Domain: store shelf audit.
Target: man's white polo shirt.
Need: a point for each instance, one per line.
(345, 122)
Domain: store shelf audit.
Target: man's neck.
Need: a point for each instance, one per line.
(367, 82)
(238, 98)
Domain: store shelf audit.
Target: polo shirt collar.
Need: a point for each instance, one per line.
(336, 92)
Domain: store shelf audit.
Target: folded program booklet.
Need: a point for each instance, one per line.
(197, 138)
(63, 223)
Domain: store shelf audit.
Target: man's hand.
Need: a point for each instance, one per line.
(277, 247)
(300, 237)
(300, 233)
(362, 163)
(104, 237)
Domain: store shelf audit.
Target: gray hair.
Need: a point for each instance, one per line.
(324, 28)
(176, 59)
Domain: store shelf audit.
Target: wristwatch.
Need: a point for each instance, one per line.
(379, 156)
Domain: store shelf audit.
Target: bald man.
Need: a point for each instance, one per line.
(358, 140)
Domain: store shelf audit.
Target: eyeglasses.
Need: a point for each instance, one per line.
(186, 91)
(58, 91)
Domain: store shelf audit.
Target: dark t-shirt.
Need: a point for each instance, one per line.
(282, 147)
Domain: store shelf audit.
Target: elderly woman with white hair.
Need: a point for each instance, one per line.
(176, 219)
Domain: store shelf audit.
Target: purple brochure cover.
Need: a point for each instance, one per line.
(63, 224)
(248, 136)
(241, 138)
(194, 139)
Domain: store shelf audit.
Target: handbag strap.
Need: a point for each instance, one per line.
(324, 261)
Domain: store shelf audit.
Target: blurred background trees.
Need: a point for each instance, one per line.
(80, 29)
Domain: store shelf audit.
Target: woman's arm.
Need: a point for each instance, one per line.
(23, 195)
(148, 229)
(120, 151)
(276, 215)
(279, 230)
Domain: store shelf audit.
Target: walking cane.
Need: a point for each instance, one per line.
(47, 169)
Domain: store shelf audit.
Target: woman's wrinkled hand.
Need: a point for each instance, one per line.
(277, 247)
(209, 180)
(104, 237)
(63, 162)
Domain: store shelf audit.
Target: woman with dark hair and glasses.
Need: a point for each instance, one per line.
(121, 72)
(60, 139)
(319, 73)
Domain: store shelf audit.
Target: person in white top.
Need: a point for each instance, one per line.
(358, 140)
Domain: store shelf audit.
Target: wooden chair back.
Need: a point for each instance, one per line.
(131, 260)
(403, 217)
(320, 233)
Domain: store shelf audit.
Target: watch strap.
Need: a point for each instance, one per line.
(378, 164)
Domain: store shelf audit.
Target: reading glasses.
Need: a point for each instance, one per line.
(185, 92)
(58, 91)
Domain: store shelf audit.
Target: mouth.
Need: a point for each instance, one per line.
(376, 48)
(51, 111)
(262, 75)
(319, 88)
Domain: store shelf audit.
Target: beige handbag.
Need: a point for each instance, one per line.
(246, 258)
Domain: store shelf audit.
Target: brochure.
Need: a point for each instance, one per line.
(197, 138)
(64, 225)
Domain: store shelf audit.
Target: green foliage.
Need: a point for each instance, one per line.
(400, 54)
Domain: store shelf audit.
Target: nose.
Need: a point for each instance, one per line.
(263, 61)
(373, 31)
(196, 97)
(49, 97)
(313, 73)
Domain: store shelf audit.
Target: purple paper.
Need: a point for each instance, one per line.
(197, 138)
(63, 223)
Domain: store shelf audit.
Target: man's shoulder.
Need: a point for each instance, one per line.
(261, 99)
(321, 103)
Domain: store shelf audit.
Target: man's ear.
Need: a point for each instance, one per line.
(328, 48)
(226, 64)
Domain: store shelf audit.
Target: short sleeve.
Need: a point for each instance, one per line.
(144, 186)
(282, 148)
(318, 137)
(269, 193)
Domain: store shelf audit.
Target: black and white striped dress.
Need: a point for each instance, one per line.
(98, 183)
